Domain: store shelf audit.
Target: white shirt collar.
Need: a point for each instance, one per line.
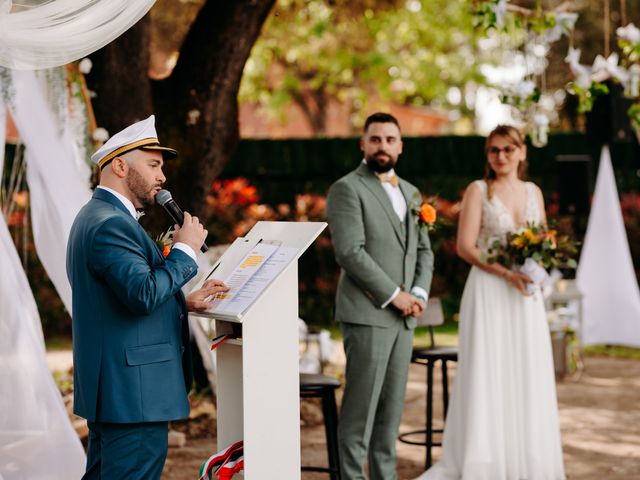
(391, 172)
(125, 201)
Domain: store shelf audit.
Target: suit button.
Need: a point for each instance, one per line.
(182, 349)
(182, 316)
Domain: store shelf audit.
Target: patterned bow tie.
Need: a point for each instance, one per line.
(385, 177)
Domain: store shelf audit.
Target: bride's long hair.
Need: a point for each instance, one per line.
(513, 135)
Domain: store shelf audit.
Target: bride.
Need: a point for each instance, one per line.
(502, 422)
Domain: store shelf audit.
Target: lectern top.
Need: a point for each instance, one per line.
(252, 263)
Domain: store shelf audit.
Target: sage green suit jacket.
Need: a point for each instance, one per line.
(375, 250)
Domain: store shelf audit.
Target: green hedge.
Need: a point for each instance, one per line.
(444, 165)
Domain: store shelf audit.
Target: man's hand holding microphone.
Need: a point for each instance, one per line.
(191, 232)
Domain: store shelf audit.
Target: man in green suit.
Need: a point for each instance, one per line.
(387, 265)
(132, 365)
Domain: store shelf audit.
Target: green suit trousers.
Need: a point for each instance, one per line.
(376, 375)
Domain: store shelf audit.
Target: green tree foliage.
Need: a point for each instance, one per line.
(311, 51)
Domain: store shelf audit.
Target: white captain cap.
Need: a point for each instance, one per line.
(140, 135)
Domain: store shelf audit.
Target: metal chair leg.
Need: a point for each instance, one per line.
(445, 389)
(331, 431)
(429, 434)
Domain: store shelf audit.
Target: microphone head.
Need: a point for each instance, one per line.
(162, 197)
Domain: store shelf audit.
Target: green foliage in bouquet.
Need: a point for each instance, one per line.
(539, 242)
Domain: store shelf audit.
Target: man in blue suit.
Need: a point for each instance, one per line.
(132, 366)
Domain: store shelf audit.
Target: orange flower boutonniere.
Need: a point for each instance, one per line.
(165, 242)
(425, 213)
(428, 214)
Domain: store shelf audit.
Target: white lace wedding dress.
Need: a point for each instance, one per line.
(502, 422)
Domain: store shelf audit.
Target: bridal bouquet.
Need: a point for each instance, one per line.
(533, 250)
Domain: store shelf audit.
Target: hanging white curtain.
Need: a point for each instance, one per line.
(37, 34)
(36, 436)
(605, 274)
(58, 180)
(3, 133)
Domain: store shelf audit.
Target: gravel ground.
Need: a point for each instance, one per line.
(599, 415)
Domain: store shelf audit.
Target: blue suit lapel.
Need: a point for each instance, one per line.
(104, 195)
(373, 184)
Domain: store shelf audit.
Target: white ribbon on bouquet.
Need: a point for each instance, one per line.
(541, 279)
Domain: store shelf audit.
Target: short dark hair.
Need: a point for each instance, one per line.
(380, 117)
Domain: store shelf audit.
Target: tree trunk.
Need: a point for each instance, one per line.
(196, 106)
(313, 105)
(120, 79)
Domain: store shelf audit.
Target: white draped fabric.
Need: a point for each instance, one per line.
(611, 309)
(37, 34)
(3, 133)
(58, 180)
(36, 437)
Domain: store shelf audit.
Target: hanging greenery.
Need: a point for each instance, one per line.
(533, 30)
(525, 37)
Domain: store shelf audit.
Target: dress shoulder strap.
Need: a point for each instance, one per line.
(482, 185)
(532, 206)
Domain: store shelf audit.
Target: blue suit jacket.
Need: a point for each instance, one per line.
(131, 352)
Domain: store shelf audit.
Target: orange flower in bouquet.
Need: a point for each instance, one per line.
(538, 242)
(534, 250)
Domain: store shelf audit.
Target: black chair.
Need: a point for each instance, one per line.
(324, 387)
(428, 357)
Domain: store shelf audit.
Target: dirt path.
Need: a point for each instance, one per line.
(599, 415)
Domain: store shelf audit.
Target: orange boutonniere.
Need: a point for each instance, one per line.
(428, 214)
(165, 242)
(425, 213)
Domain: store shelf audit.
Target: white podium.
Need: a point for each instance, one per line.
(257, 374)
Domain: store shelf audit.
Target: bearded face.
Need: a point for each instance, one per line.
(381, 146)
(143, 190)
(144, 177)
(381, 162)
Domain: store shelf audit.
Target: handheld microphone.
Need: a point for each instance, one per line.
(164, 198)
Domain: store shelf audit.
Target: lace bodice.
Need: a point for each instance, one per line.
(497, 221)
